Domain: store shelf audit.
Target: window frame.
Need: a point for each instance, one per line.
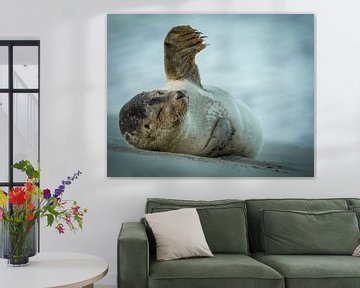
(10, 91)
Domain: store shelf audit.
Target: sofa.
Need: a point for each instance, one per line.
(258, 243)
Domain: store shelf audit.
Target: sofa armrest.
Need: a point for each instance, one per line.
(133, 256)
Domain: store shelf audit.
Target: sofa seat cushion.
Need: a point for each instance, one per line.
(313, 271)
(222, 270)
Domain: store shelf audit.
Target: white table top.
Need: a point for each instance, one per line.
(45, 270)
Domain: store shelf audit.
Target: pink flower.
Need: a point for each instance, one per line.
(68, 219)
(76, 210)
(1, 212)
(60, 228)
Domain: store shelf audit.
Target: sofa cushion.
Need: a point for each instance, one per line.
(356, 209)
(297, 232)
(313, 271)
(353, 201)
(223, 221)
(178, 234)
(222, 270)
(254, 216)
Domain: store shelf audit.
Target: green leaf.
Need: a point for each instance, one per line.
(22, 164)
(50, 219)
(53, 212)
(28, 168)
(79, 221)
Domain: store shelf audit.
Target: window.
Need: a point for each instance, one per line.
(19, 108)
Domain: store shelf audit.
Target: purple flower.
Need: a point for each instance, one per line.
(58, 192)
(68, 181)
(46, 194)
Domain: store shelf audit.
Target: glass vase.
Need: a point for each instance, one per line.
(18, 242)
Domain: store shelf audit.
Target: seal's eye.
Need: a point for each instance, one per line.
(147, 126)
(156, 100)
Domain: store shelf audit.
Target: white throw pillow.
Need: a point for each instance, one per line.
(357, 251)
(178, 234)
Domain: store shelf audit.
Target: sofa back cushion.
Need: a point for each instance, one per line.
(353, 201)
(298, 232)
(223, 222)
(356, 209)
(255, 206)
(354, 205)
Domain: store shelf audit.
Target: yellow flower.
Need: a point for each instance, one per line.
(3, 198)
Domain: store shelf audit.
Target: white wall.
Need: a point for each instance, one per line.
(73, 113)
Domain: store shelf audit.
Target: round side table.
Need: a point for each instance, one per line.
(50, 270)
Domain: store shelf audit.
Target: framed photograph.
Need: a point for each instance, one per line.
(210, 95)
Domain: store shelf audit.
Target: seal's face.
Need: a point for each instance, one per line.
(149, 119)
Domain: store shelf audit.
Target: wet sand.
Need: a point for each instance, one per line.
(131, 162)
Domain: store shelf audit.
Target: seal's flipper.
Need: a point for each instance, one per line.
(220, 137)
(181, 45)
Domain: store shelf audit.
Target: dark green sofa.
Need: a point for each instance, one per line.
(233, 231)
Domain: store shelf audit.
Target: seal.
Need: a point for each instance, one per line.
(185, 116)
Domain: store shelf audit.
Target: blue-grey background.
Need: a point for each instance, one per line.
(265, 60)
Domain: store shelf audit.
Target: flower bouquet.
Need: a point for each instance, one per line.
(21, 208)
